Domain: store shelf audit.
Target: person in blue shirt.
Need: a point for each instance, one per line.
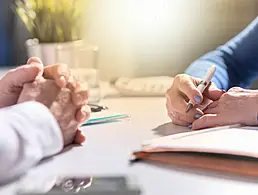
(227, 100)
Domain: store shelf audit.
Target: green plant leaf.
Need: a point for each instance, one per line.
(53, 20)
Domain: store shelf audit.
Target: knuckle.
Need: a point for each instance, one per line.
(227, 95)
(178, 116)
(175, 116)
(235, 89)
(176, 122)
(170, 115)
(63, 69)
(64, 96)
(178, 78)
(85, 96)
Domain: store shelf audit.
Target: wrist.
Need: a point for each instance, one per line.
(251, 106)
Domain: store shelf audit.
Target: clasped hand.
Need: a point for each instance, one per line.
(52, 86)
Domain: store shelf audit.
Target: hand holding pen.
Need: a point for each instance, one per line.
(189, 96)
(202, 86)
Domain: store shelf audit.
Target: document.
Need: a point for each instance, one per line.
(229, 149)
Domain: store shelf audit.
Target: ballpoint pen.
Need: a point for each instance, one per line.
(97, 108)
(202, 85)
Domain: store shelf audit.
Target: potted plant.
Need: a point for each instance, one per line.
(52, 24)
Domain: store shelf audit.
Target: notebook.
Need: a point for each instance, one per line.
(231, 149)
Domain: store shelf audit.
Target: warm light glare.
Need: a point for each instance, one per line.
(161, 36)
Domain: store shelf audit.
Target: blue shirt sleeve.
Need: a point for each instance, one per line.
(236, 61)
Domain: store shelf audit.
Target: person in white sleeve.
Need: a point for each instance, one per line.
(41, 109)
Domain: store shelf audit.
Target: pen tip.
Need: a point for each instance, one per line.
(189, 107)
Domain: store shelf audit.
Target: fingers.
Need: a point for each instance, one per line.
(176, 102)
(204, 103)
(83, 114)
(182, 90)
(192, 115)
(182, 118)
(79, 137)
(207, 121)
(24, 74)
(188, 88)
(213, 93)
(212, 106)
(59, 72)
(34, 60)
(175, 120)
(188, 118)
(210, 119)
(79, 91)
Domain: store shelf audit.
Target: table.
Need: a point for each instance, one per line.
(109, 146)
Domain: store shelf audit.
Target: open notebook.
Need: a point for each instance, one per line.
(227, 149)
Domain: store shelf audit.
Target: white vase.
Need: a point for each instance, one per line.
(52, 53)
(81, 58)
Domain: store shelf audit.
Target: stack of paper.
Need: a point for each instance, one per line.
(228, 149)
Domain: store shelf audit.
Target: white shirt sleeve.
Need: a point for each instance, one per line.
(28, 133)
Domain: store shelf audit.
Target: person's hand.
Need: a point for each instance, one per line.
(184, 87)
(12, 83)
(237, 106)
(59, 101)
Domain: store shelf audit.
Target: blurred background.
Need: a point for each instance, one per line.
(120, 38)
(157, 37)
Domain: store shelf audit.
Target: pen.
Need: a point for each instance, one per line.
(97, 108)
(202, 85)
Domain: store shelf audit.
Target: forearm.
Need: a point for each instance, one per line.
(28, 133)
(236, 61)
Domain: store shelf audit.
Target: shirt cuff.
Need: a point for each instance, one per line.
(47, 131)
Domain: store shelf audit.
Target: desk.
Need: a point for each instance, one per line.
(108, 148)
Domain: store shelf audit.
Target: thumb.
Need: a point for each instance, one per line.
(213, 93)
(24, 74)
(34, 60)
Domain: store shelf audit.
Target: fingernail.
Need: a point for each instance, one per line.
(190, 126)
(197, 99)
(63, 80)
(197, 116)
